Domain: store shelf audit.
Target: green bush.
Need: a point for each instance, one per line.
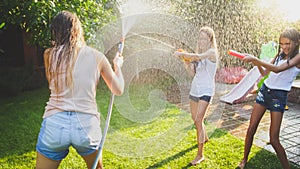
(35, 16)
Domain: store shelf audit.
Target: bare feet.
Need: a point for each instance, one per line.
(197, 160)
(242, 164)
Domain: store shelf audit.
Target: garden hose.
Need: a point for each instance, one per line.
(109, 111)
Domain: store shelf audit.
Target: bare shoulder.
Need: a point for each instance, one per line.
(92, 51)
(47, 52)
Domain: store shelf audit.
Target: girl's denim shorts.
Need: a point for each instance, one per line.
(273, 100)
(65, 129)
(196, 99)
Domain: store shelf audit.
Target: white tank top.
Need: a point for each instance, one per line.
(204, 80)
(82, 98)
(282, 80)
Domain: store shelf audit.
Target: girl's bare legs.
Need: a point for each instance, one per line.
(90, 159)
(257, 113)
(43, 162)
(276, 119)
(198, 110)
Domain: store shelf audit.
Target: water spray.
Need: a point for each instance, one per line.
(109, 111)
(236, 54)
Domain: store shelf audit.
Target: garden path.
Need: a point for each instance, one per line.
(235, 119)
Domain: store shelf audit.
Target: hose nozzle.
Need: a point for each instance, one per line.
(121, 46)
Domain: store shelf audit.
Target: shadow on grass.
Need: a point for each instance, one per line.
(215, 134)
(176, 156)
(218, 133)
(20, 122)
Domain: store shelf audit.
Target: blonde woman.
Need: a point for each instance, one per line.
(71, 117)
(273, 94)
(203, 64)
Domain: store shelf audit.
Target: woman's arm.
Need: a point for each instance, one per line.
(210, 54)
(271, 67)
(263, 71)
(46, 63)
(113, 79)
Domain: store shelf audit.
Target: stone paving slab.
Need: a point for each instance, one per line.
(236, 118)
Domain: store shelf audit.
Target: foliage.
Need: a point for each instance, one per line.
(34, 16)
(239, 24)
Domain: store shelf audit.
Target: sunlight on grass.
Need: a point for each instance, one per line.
(169, 141)
(160, 125)
(147, 139)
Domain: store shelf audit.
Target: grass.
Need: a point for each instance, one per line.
(166, 139)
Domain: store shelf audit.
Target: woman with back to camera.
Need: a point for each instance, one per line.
(203, 64)
(71, 115)
(273, 94)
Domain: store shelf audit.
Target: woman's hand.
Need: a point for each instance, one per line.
(249, 58)
(118, 61)
(186, 63)
(179, 55)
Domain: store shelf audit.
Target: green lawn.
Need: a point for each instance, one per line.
(165, 139)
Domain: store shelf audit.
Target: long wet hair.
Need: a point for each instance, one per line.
(212, 38)
(293, 35)
(67, 38)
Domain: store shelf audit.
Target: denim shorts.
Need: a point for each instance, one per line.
(273, 100)
(196, 99)
(65, 129)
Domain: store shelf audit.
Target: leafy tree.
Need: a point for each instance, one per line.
(241, 25)
(34, 16)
